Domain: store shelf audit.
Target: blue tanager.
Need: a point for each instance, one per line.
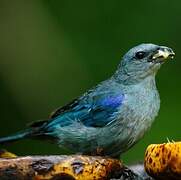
(114, 115)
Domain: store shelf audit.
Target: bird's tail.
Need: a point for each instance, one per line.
(17, 136)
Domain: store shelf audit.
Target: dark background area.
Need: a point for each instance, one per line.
(51, 51)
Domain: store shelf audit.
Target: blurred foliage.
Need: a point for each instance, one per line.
(52, 51)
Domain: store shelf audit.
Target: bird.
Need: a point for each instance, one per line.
(111, 117)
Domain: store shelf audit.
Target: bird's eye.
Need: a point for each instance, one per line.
(140, 55)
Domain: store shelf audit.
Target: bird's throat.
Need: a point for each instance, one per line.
(125, 78)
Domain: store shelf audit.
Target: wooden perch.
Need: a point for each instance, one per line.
(60, 167)
(162, 161)
(67, 168)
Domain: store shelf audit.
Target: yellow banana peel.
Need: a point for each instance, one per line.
(5, 154)
(163, 161)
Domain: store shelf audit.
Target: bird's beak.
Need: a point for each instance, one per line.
(163, 53)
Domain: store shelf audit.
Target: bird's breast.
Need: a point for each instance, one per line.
(142, 107)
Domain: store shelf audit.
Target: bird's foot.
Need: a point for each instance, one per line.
(128, 174)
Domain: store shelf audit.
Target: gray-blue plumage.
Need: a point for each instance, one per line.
(111, 117)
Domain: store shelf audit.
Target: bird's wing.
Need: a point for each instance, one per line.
(92, 109)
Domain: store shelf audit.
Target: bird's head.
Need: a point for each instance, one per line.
(142, 61)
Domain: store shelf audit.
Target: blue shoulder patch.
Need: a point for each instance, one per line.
(102, 113)
(113, 101)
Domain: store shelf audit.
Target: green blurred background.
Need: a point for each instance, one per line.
(53, 50)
